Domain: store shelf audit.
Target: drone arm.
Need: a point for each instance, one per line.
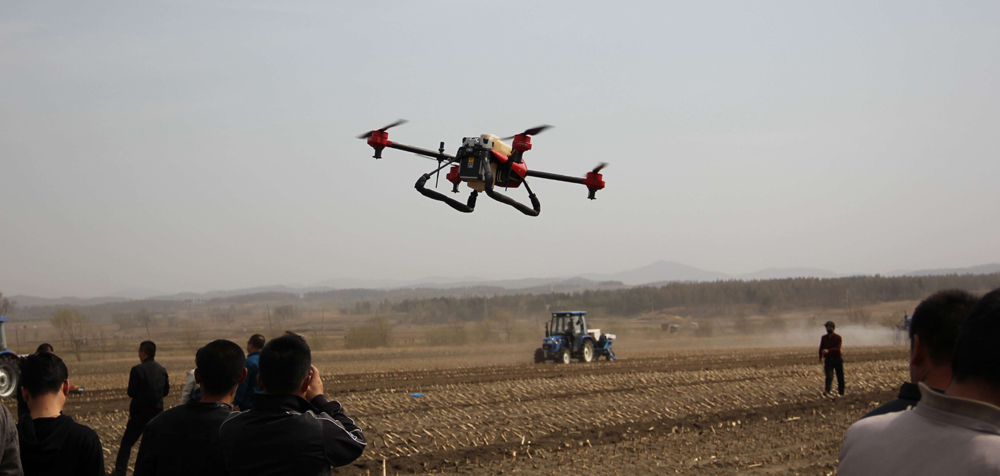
(425, 152)
(593, 180)
(557, 177)
(457, 205)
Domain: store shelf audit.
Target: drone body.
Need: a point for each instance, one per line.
(484, 163)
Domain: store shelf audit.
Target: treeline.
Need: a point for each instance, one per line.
(704, 299)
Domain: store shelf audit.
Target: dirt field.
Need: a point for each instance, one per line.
(486, 410)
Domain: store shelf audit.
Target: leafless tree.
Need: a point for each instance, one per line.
(72, 328)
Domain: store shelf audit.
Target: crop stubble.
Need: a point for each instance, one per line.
(692, 412)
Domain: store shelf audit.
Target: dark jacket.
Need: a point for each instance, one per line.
(59, 446)
(246, 391)
(184, 440)
(10, 458)
(147, 385)
(909, 397)
(285, 434)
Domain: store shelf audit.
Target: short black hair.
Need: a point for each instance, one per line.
(257, 341)
(284, 364)
(148, 347)
(976, 356)
(43, 373)
(937, 320)
(45, 348)
(220, 364)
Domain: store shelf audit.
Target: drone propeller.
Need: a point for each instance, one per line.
(531, 132)
(600, 166)
(390, 126)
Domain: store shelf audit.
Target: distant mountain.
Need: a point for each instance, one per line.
(137, 293)
(25, 301)
(660, 271)
(981, 269)
(785, 273)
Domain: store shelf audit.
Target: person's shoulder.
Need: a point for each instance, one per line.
(874, 424)
(80, 431)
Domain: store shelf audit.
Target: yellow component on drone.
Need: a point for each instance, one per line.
(498, 145)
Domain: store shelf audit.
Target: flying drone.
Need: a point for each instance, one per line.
(484, 163)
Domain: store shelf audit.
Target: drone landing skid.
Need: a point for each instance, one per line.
(457, 205)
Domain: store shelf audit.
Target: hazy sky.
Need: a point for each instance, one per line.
(189, 146)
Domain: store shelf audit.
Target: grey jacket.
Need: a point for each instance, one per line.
(10, 454)
(942, 435)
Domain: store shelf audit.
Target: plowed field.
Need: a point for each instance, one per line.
(690, 412)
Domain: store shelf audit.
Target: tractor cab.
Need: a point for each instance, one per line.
(567, 336)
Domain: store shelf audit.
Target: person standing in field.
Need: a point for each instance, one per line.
(933, 329)
(829, 353)
(147, 385)
(246, 391)
(10, 455)
(185, 439)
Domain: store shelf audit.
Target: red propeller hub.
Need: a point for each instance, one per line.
(522, 142)
(453, 175)
(379, 139)
(594, 182)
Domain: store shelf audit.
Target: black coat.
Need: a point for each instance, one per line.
(184, 440)
(59, 446)
(285, 434)
(909, 397)
(147, 385)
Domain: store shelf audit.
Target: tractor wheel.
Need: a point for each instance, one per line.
(8, 377)
(587, 352)
(539, 356)
(563, 356)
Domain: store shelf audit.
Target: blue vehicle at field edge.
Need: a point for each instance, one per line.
(567, 337)
(9, 365)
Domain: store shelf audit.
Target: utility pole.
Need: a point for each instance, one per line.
(269, 326)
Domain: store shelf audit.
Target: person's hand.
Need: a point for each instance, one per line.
(315, 386)
(826, 351)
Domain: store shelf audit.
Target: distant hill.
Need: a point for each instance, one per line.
(785, 273)
(658, 272)
(981, 269)
(26, 301)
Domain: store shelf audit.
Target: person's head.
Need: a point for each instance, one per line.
(44, 375)
(830, 326)
(933, 330)
(45, 348)
(976, 361)
(221, 367)
(147, 350)
(255, 343)
(284, 365)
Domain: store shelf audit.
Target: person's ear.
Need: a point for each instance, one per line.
(65, 388)
(306, 382)
(197, 376)
(25, 395)
(260, 383)
(243, 376)
(918, 353)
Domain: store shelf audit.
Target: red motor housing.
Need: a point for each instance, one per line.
(379, 140)
(522, 142)
(594, 182)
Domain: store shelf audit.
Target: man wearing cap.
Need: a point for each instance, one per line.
(829, 353)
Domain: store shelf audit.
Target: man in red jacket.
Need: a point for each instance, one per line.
(829, 352)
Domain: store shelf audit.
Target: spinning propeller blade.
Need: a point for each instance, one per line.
(531, 132)
(390, 126)
(600, 166)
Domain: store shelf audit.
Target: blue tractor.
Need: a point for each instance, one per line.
(9, 366)
(567, 337)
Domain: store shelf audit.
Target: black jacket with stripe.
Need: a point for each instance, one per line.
(285, 434)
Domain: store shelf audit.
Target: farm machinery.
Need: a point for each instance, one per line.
(9, 367)
(567, 337)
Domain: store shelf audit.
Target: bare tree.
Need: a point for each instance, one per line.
(6, 305)
(72, 328)
(143, 318)
(283, 313)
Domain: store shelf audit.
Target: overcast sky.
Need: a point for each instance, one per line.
(189, 146)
